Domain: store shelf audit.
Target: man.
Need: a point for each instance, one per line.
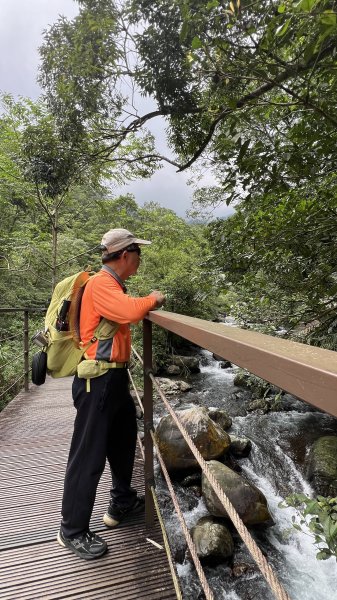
(105, 425)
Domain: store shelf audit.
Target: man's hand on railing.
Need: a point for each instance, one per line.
(160, 298)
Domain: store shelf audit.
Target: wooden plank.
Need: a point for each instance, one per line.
(35, 432)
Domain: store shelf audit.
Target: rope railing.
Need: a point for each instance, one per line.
(167, 546)
(26, 345)
(155, 502)
(268, 573)
(11, 337)
(208, 592)
(266, 570)
(10, 387)
(12, 360)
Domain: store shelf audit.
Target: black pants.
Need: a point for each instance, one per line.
(105, 427)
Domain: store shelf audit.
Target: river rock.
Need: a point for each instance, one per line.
(188, 362)
(221, 417)
(225, 364)
(246, 498)
(209, 438)
(212, 539)
(171, 387)
(322, 465)
(260, 406)
(240, 447)
(173, 370)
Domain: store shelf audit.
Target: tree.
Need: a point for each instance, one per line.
(255, 85)
(278, 256)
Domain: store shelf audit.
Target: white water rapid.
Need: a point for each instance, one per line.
(279, 439)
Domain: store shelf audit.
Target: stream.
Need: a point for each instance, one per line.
(281, 441)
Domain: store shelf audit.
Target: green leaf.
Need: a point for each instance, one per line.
(282, 29)
(323, 555)
(243, 149)
(281, 8)
(305, 5)
(184, 30)
(232, 104)
(212, 4)
(328, 18)
(196, 43)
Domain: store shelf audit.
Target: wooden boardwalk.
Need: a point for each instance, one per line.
(35, 432)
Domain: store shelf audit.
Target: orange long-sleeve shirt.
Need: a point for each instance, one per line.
(103, 297)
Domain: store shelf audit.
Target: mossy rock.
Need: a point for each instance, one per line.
(322, 465)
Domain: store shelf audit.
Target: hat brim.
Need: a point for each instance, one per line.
(141, 242)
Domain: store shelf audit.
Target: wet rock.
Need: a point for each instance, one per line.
(196, 490)
(246, 498)
(261, 406)
(189, 480)
(240, 447)
(209, 438)
(212, 539)
(322, 465)
(191, 363)
(221, 417)
(241, 380)
(240, 569)
(257, 386)
(171, 387)
(225, 364)
(173, 370)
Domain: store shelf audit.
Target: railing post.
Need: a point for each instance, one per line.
(26, 349)
(148, 423)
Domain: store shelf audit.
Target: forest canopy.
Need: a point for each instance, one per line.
(248, 93)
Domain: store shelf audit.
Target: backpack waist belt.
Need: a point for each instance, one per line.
(89, 369)
(113, 365)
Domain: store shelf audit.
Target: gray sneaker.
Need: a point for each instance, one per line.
(87, 545)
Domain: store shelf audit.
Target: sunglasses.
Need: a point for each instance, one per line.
(134, 249)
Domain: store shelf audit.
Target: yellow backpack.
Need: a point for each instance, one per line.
(62, 343)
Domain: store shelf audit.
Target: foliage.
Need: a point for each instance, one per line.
(319, 516)
(82, 67)
(255, 85)
(279, 261)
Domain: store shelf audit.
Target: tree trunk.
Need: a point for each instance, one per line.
(54, 225)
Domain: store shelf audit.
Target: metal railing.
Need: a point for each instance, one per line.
(10, 337)
(307, 372)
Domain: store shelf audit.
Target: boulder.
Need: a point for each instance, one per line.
(173, 370)
(209, 438)
(260, 406)
(322, 465)
(246, 498)
(188, 362)
(240, 447)
(225, 364)
(171, 387)
(212, 539)
(221, 417)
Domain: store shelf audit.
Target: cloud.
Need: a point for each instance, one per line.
(21, 26)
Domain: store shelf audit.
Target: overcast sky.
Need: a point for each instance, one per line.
(21, 25)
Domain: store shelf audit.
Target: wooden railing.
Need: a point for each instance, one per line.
(308, 372)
